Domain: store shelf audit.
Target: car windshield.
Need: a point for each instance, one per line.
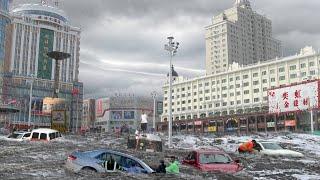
(15, 136)
(272, 146)
(214, 159)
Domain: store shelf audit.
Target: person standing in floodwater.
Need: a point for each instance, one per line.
(144, 122)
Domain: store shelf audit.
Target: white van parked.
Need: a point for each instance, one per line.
(44, 134)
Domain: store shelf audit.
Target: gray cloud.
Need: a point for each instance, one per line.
(122, 40)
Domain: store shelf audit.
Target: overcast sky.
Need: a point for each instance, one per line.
(122, 40)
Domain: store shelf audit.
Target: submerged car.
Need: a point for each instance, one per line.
(96, 161)
(44, 134)
(216, 160)
(274, 149)
(19, 136)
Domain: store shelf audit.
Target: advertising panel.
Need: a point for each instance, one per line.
(271, 124)
(116, 115)
(290, 123)
(59, 120)
(159, 107)
(128, 114)
(212, 128)
(294, 98)
(99, 106)
(45, 46)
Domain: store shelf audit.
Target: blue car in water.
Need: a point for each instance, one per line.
(103, 161)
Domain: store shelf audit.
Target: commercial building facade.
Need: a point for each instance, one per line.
(239, 35)
(35, 30)
(89, 114)
(113, 112)
(241, 90)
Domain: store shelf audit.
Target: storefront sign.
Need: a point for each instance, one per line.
(271, 124)
(197, 123)
(212, 128)
(290, 123)
(45, 46)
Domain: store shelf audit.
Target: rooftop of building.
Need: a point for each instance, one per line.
(40, 9)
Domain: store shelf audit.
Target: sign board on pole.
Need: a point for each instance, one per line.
(59, 120)
(294, 98)
(159, 107)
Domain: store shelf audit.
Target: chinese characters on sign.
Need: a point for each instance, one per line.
(294, 98)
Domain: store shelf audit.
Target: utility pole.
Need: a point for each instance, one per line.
(30, 100)
(154, 95)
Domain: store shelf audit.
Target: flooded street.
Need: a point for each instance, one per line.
(45, 160)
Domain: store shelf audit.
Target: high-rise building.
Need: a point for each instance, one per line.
(4, 20)
(35, 30)
(89, 114)
(239, 35)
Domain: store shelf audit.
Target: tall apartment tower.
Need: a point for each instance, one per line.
(239, 35)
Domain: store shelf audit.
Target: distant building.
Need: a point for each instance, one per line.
(113, 112)
(239, 35)
(89, 114)
(35, 30)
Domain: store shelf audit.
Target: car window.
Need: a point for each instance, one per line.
(14, 135)
(191, 156)
(214, 158)
(102, 156)
(58, 134)
(52, 135)
(35, 135)
(27, 135)
(272, 146)
(43, 136)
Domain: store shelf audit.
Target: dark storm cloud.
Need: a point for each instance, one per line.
(122, 40)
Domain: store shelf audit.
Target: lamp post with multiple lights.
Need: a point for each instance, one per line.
(171, 47)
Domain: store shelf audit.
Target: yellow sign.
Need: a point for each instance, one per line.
(212, 128)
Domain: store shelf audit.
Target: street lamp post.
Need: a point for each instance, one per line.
(171, 47)
(30, 100)
(154, 94)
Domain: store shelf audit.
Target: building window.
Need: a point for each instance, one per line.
(224, 104)
(245, 76)
(303, 74)
(231, 102)
(255, 82)
(206, 91)
(201, 99)
(238, 101)
(231, 87)
(231, 94)
(194, 93)
(231, 79)
(223, 81)
(224, 95)
(237, 85)
(256, 90)
(194, 107)
(194, 100)
(217, 104)
(264, 73)
(264, 81)
(312, 72)
(255, 75)
(238, 93)
(224, 88)
(273, 79)
(293, 67)
(256, 100)
(281, 69)
(246, 100)
(293, 76)
(246, 84)
(281, 78)
(303, 65)
(272, 71)
(238, 78)
(311, 63)
(246, 92)
(213, 82)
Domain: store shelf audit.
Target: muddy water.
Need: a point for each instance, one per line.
(39, 160)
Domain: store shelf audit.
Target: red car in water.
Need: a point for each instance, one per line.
(211, 160)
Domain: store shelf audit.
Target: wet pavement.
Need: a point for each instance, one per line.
(45, 160)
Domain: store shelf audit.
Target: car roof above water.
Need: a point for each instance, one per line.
(45, 130)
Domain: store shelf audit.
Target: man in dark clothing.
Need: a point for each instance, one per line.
(161, 167)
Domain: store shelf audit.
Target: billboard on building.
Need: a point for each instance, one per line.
(102, 105)
(45, 46)
(116, 115)
(59, 120)
(294, 98)
(128, 114)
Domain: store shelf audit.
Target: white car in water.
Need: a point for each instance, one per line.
(274, 149)
(19, 136)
